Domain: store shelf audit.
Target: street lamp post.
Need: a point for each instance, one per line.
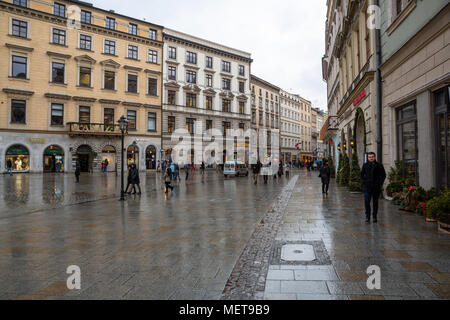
(123, 124)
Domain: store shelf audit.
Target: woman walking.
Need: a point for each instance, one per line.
(167, 180)
(325, 174)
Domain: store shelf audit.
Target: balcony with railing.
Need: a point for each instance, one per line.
(96, 129)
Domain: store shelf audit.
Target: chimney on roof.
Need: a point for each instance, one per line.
(112, 11)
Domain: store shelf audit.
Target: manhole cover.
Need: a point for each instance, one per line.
(299, 253)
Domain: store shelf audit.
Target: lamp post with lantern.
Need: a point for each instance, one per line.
(123, 125)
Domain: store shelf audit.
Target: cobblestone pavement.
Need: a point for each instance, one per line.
(178, 246)
(413, 256)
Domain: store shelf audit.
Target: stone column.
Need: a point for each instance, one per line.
(426, 141)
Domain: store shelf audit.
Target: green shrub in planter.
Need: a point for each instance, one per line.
(332, 168)
(439, 207)
(355, 183)
(345, 175)
(339, 170)
(432, 193)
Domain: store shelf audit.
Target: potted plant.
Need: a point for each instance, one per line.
(413, 196)
(439, 208)
(345, 175)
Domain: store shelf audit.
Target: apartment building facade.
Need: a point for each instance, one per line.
(416, 75)
(350, 43)
(265, 103)
(206, 93)
(65, 85)
(292, 127)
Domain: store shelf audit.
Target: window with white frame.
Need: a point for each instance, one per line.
(153, 87)
(132, 82)
(152, 34)
(109, 47)
(152, 56)
(59, 36)
(133, 52)
(85, 42)
(19, 28)
(151, 121)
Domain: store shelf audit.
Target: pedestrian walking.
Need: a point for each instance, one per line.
(373, 176)
(202, 168)
(280, 169)
(187, 168)
(177, 172)
(128, 179)
(135, 180)
(77, 170)
(9, 166)
(168, 180)
(172, 169)
(256, 171)
(287, 169)
(325, 174)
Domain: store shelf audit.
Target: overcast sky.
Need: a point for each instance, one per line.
(285, 37)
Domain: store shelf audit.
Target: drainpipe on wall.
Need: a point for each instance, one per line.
(379, 92)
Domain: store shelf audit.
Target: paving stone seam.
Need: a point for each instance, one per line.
(248, 278)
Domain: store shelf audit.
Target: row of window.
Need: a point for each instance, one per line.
(273, 106)
(292, 128)
(291, 143)
(271, 121)
(191, 125)
(191, 57)
(191, 77)
(18, 115)
(267, 94)
(191, 102)
(20, 28)
(19, 69)
(60, 10)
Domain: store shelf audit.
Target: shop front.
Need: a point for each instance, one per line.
(109, 155)
(18, 158)
(133, 155)
(53, 159)
(150, 158)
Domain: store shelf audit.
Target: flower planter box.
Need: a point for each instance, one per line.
(430, 219)
(444, 227)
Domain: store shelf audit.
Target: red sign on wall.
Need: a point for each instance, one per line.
(359, 98)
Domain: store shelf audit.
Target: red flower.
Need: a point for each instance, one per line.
(411, 188)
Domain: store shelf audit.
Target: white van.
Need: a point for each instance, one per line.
(235, 168)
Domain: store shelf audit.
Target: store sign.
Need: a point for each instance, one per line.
(37, 140)
(359, 98)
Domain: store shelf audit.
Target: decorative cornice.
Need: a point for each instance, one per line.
(131, 104)
(192, 88)
(85, 57)
(226, 94)
(19, 47)
(59, 55)
(153, 106)
(85, 99)
(172, 84)
(55, 95)
(133, 68)
(107, 101)
(242, 97)
(172, 62)
(18, 91)
(210, 92)
(153, 71)
(110, 62)
(190, 66)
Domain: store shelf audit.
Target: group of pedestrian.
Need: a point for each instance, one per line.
(105, 164)
(373, 176)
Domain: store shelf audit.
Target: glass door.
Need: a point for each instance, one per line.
(442, 138)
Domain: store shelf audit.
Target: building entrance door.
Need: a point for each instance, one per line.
(442, 115)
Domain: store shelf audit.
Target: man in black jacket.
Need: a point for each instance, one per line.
(373, 176)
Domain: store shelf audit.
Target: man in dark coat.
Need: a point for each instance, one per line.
(256, 171)
(77, 170)
(373, 176)
(325, 174)
(134, 179)
(9, 166)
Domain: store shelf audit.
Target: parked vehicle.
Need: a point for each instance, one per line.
(235, 168)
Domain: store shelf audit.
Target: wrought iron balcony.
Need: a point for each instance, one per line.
(98, 129)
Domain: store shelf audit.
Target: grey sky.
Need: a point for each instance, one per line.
(285, 37)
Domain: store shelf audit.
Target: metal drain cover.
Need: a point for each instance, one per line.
(299, 253)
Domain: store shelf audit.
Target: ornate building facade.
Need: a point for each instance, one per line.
(64, 86)
(206, 93)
